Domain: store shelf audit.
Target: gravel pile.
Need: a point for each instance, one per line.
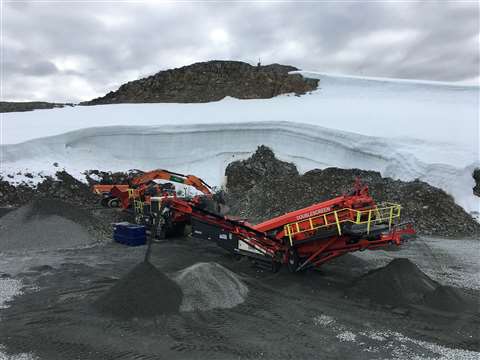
(48, 225)
(144, 292)
(402, 283)
(263, 187)
(399, 283)
(208, 286)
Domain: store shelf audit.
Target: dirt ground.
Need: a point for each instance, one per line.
(284, 316)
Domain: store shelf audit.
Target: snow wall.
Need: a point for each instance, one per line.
(205, 150)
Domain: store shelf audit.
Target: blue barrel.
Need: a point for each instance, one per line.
(129, 234)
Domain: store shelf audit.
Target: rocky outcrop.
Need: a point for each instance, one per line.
(9, 106)
(262, 187)
(476, 177)
(261, 165)
(210, 81)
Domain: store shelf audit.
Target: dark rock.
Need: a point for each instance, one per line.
(8, 106)
(476, 176)
(210, 81)
(261, 165)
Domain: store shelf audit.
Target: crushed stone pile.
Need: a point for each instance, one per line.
(451, 299)
(48, 224)
(144, 292)
(262, 187)
(399, 283)
(208, 286)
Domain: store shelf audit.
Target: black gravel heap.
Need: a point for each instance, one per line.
(401, 282)
(144, 292)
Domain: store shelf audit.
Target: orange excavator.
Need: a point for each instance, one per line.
(144, 187)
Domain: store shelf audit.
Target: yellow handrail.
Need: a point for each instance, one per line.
(374, 215)
(138, 206)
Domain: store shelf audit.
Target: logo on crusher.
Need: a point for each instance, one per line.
(313, 213)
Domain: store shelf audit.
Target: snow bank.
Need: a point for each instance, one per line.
(405, 130)
(205, 150)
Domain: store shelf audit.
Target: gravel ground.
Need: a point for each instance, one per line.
(282, 316)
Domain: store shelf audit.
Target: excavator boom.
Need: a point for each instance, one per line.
(190, 180)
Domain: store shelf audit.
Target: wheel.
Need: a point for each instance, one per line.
(293, 260)
(113, 203)
(139, 219)
(104, 202)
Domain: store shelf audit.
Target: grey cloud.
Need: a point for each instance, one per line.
(75, 51)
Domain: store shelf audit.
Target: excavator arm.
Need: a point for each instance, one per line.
(190, 180)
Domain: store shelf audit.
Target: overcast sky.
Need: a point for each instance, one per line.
(72, 51)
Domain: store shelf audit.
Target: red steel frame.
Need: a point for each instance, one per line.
(270, 239)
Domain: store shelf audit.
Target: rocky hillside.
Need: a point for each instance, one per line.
(210, 81)
(9, 106)
(262, 187)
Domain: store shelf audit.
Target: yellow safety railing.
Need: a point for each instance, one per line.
(138, 206)
(386, 213)
(131, 193)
